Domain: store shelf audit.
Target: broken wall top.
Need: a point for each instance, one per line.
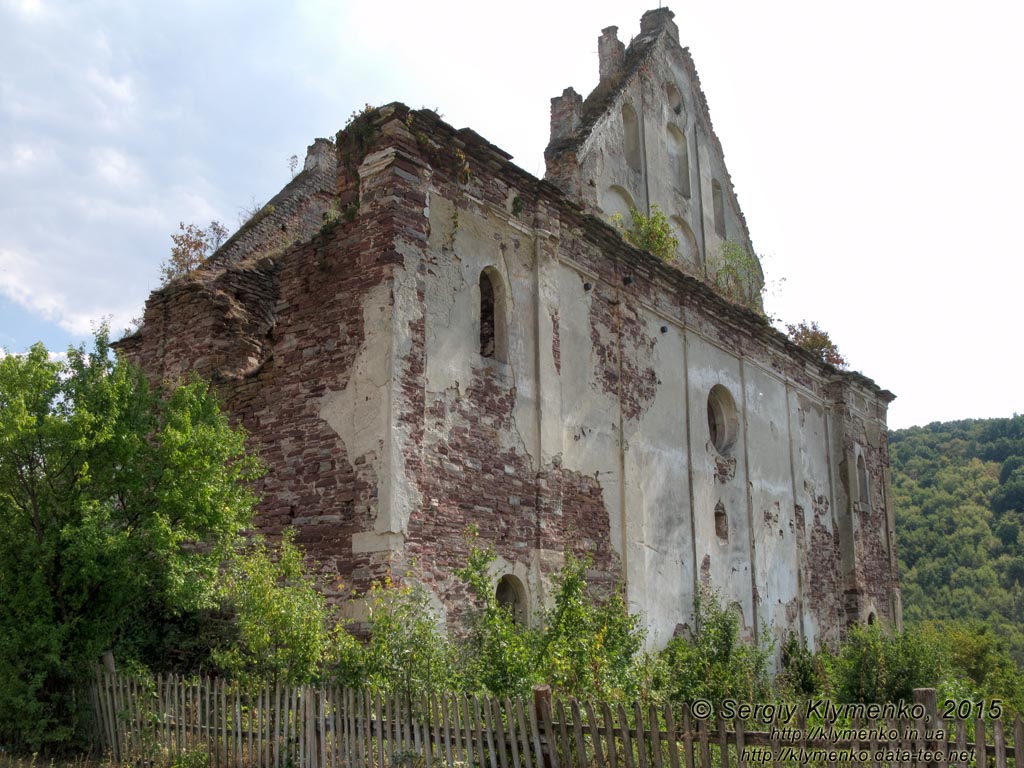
(643, 140)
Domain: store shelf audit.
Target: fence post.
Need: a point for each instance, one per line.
(542, 709)
(930, 723)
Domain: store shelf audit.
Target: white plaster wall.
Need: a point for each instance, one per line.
(590, 436)
(771, 482)
(728, 562)
(657, 495)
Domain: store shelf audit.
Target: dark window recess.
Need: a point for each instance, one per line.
(486, 316)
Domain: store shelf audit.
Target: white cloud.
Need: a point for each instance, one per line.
(116, 168)
(31, 10)
(28, 283)
(26, 157)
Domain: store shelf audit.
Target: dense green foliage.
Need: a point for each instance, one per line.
(875, 666)
(281, 621)
(652, 233)
(121, 518)
(117, 508)
(715, 665)
(959, 491)
(584, 646)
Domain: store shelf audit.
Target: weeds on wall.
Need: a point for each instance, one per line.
(738, 276)
(649, 233)
(809, 335)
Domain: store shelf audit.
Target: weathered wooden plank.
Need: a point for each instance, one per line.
(1018, 742)
(550, 740)
(979, 743)
(501, 736)
(999, 743)
(609, 733)
(655, 736)
(563, 736)
(776, 747)
(446, 730)
(577, 732)
(687, 737)
(671, 737)
(723, 740)
(484, 719)
(474, 746)
(515, 732)
(741, 759)
(595, 735)
(535, 734)
(641, 735)
(705, 747)
(627, 742)
(524, 733)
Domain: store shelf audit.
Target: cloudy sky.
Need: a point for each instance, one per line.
(877, 149)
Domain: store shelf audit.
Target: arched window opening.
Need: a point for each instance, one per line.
(675, 99)
(511, 595)
(680, 159)
(617, 201)
(486, 316)
(493, 336)
(631, 137)
(862, 481)
(718, 203)
(871, 618)
(723, 421)
(687, 243)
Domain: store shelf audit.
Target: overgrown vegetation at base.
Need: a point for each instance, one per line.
(123, 513)
(118, 507)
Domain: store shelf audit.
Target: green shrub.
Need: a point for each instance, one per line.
(714, 665)
(874, 666)
(804, 674)
(498, 653)
(589, 647)
(408, 648)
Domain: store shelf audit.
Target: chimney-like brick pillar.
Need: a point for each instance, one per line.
(655, 20)
(611, 54)
(566, 114)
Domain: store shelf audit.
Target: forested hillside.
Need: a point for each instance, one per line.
(959, 490)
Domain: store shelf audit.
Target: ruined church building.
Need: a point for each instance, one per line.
(420, 336)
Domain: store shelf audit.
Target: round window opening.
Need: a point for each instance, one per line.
(722, 420)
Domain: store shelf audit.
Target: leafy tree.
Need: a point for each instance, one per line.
(116, 506)
(192, 245)
(714, 665)
(283, 623)
(652, 233)
(876, 667)
(408, 650)
(589, 647)
(809, 336)
(959, 535)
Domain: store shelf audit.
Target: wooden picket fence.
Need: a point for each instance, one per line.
(141, 720)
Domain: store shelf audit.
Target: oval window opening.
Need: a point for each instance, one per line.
(723, 422)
